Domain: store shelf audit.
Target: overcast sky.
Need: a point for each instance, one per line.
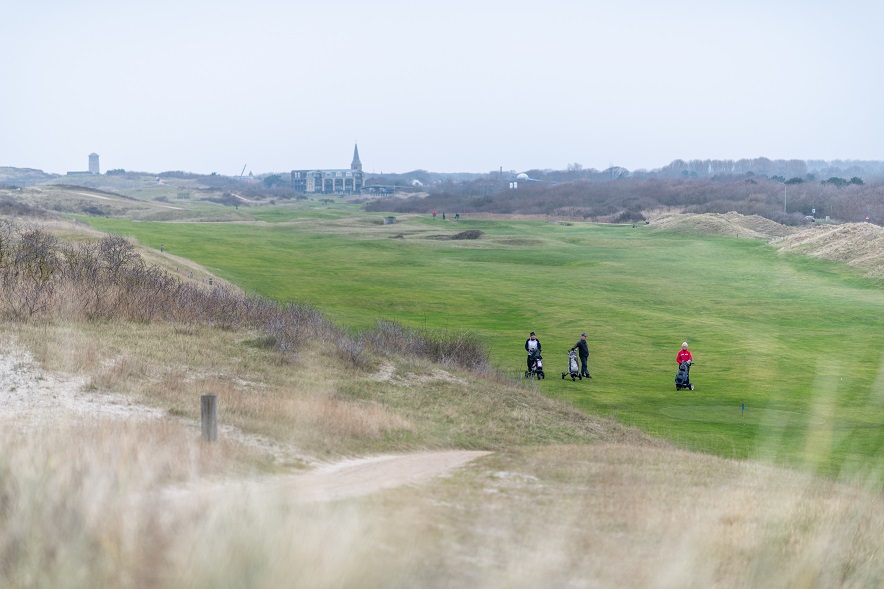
(447, 86)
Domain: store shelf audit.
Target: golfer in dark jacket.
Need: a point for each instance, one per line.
(583, 351)
(532, 346)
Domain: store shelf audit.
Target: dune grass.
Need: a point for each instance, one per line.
(128, 505)
(796, 341)
(309, 404)
(566, 500)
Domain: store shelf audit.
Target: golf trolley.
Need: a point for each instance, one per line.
(573, 367)
(682, 377)
(535, 362)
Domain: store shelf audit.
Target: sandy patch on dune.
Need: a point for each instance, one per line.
(859, 245)
(32, 399)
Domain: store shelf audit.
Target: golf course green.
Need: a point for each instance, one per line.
(788, 350)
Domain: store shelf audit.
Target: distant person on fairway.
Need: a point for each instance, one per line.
(583, 351)
(684, 354)
(532, 346)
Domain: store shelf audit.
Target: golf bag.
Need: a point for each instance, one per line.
(682, 377)
(535, 362)
(573, 366)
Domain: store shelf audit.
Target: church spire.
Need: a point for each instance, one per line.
(356, 165)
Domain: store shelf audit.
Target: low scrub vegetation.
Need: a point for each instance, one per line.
(44, 278)
(13, 208)
(457, 348)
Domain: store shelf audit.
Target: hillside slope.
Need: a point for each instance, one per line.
(104, 481)
(859, 245)
(178, 512)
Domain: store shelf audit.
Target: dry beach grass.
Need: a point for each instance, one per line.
(859, 245)
(108, 486)
(125, 506)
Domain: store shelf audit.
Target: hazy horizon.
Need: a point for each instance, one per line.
(210, 87)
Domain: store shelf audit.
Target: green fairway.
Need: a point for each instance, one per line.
(799, 342)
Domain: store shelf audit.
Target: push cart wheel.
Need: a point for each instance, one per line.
(692, 386)
(563, 376)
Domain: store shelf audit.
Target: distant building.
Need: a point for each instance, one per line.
(337, 181)
(93, 167)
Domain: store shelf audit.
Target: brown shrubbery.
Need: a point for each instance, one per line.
(45, 279)
(460, 349)
(625, 200)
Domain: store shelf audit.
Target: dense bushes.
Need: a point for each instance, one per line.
(631, 199)
(14, 208)
(45, 279)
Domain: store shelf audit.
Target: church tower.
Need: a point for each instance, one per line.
(356, 165)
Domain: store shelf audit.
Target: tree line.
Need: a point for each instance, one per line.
(629, 198)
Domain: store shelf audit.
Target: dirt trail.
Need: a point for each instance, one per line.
(32, 399)
(363, 476)
(332, 482)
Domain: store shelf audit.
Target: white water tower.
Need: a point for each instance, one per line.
(93, 164)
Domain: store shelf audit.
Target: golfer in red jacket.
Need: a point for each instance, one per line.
(684, 354)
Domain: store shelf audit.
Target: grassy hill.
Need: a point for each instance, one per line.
(114, 495)
(794, 340)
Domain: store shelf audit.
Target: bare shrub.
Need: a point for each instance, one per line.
(290, 325)
(151, 292)
(353, 353)
(462, 349)
(29, 264)
(117, 255)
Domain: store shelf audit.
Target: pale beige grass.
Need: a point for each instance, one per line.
(729, 224)
(627, 516)
(290, 401)
(860, 245)
(85, 503)
(97, 513)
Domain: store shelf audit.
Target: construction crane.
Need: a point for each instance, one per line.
(243, 170)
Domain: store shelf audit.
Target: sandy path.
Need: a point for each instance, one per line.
(364, 476)
(331, 482)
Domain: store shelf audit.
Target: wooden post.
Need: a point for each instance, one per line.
(209, 413)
